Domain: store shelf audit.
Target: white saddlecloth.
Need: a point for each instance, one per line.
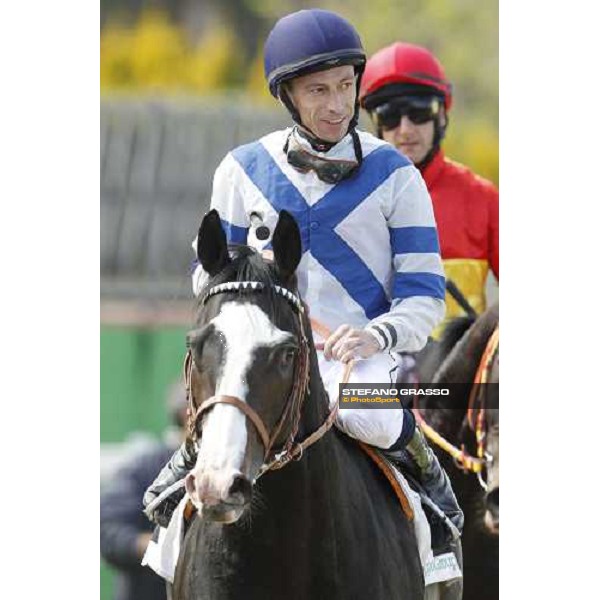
(443, 567)
(162, 556)
(436, 569)
(420, 522)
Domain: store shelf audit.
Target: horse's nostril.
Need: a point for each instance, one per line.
(241, 486)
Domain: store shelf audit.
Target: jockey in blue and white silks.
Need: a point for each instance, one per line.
(370, 252)
(370, 270)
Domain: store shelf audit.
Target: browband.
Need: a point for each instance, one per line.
(235, 286)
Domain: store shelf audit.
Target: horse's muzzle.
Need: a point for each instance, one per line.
(223, 503)
(222, 513)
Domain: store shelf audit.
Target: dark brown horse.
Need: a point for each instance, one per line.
(327, 524)
(457, 359)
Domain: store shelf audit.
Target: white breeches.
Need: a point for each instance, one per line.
(379, 427)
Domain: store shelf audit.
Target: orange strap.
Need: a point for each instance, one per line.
(189, 510)
(389, 475)
(323, 331)
(464, 460)
(477, 423)
(488, 355)
(483, 371)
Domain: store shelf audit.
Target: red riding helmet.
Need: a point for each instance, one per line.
(402, 63)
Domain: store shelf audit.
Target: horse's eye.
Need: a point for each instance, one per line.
(287, 357)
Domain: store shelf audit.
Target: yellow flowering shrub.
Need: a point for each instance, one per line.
(155, 56)
(475, 144)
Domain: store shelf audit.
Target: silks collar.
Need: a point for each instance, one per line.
(340, 162)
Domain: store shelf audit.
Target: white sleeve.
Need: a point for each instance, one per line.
(228, 198)
(418, 286)
(408, 324)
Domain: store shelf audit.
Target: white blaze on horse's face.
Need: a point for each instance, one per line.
(243, 327)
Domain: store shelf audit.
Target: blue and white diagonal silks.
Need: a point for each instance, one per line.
(317, 223)
(234, 233)
(331, 251)
(277, 189)
(340, 201)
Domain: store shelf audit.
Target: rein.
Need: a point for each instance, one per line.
(477, 421)
(475, 418)
(292, 449)
(297, 451)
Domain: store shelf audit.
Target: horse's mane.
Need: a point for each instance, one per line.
(431, 358)
(455, 329)
(462, 362)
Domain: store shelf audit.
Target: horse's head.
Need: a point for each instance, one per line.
(249, 365)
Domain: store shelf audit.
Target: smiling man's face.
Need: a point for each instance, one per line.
(325, 101)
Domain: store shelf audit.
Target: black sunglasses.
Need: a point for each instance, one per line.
(329, 171)
(418, 110)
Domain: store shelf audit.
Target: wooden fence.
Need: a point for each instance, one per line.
(157, 163)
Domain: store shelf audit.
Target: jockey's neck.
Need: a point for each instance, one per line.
(316, 143)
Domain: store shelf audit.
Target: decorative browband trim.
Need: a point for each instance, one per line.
(239, 286)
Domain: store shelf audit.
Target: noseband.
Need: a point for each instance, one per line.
(293, 407)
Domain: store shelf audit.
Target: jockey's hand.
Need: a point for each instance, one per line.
(347, 343)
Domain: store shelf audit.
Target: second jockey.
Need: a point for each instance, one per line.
(406, 93)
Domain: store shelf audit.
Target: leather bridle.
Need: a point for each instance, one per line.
(475, 417)
(476, 408)
(291, 449)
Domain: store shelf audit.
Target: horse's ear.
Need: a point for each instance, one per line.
(287, 245)
(212, 244)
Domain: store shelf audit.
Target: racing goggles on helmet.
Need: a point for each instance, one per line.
(418, 109)
(328, 170)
